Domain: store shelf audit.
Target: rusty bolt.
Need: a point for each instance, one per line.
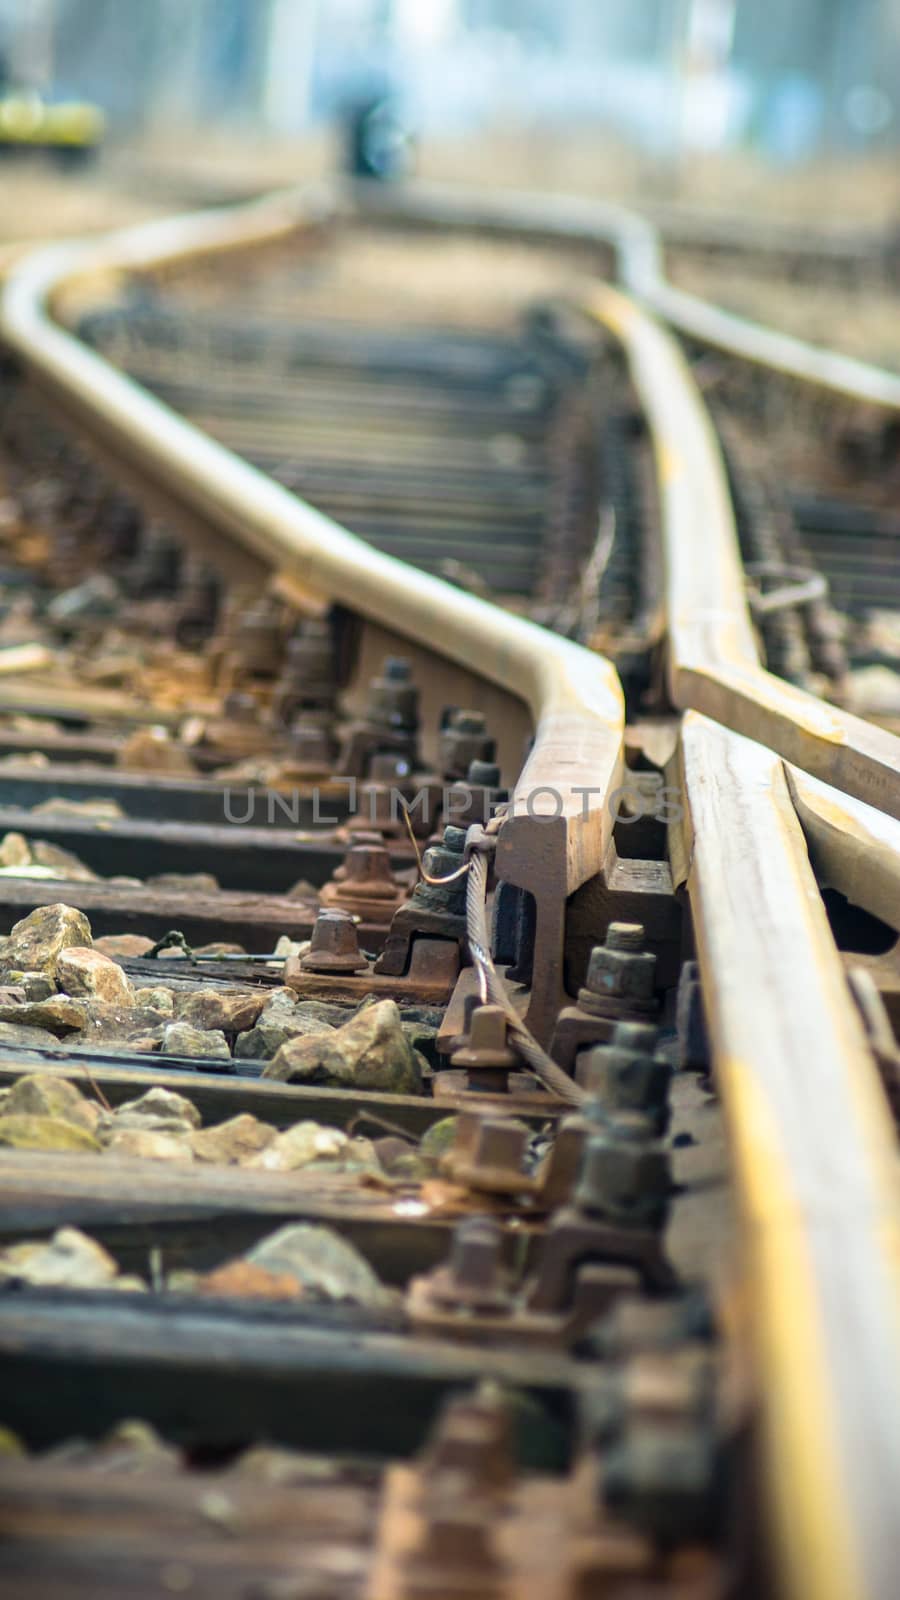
(463, 739)
(366, 885)
(663, 1479)
(310, 744)
(441, 861)
(473, 1440)
(621, 973)
(474, 1278)
(624, 1080)
(360, 836)
(638, 1037)
(624, 1173)
(500, 1143)
(307, 675)
(487, 1046)
(334, 946)
(393, 698)
(483, 774)
(489, 1153)
(370, 864)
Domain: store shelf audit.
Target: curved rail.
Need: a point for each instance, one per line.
(713, 661)
(814, 1154)
(640, 264)
(559, 830)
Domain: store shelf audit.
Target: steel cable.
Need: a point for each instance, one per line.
(494, 989)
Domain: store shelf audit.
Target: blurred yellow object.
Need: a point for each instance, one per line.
(29, 121)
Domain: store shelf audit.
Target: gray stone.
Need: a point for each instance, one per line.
(310, 1143)
(43, 1094)
(37, 986)
(438, 1139)
(369, 1052)
(281, 1019)
(20, 1131)
(180, 1039)
(156, 998)
(185, 882)
(223, 1010)
(151, 1145)
(423, 1040)
(14, 850)
(160, 1110)
(59, 1014)
(62, 863)
(69, 1260)
(113, 1024)
(109, 810)
(126, 946)
(327, 1012)
(91, 975)
(233, 1142)
(324, 1265)
(35, 943)
(35, 1038)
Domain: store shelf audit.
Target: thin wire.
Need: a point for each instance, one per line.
(459, 873)
(491, 983)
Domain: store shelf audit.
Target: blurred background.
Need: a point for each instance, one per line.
(795, 107)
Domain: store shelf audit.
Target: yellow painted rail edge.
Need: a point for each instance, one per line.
(816, 1165)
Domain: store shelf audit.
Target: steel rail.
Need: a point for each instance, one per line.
(853, 847)
(713, 661)
(640, 262)
(559, 829)
(816, 1165)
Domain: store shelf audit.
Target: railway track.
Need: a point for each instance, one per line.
(500, 1201)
